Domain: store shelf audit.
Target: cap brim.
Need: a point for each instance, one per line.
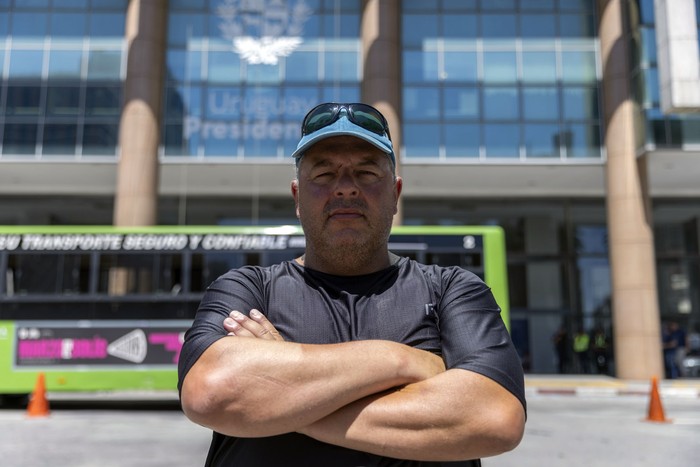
(344, 127)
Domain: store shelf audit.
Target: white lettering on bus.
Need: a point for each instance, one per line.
(245, 242)
(42, 242)
(155, 242)
(194, 241)
(9, 242)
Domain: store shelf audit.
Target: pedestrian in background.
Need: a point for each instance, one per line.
(674, 342)
(561, 347)
(600, 350)
(581, 350)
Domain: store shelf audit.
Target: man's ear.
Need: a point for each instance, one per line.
(398, 186)
(295, 195)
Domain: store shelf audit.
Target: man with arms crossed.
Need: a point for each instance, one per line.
(351, 355)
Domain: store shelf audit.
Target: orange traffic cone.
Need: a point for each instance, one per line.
(38, 404)
(656, 410)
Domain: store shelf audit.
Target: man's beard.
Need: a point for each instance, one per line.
(348, 250)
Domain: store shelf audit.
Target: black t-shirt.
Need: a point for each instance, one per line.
(445, 310)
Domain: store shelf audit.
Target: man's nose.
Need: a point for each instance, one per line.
(346, 185)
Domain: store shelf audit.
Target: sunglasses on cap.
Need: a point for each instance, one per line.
(362, 115)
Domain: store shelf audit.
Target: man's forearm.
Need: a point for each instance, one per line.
(253, 387)
(456, 415)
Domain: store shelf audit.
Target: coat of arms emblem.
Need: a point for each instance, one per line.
(262, 31)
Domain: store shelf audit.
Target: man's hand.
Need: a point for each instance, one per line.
(256, 325)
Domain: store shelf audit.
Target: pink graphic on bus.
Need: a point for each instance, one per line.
(172, 341)
(66, 349)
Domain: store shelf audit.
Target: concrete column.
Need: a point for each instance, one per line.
(636, 327)
(381, 83)
(137, 177)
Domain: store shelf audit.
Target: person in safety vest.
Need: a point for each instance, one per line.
(581, 347)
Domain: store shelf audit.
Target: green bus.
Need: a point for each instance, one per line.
(101, 308)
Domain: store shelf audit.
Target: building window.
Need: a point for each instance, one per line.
(50, 51)
(519, 77)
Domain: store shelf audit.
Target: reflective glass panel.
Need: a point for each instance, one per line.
(421, 140)
(100, 138)
(498, 26)
(501, 103)
(222, 103)
(462, 140)
(576, 26)
(73, 4)
(65, 64)
(103, 101)
(179, 141)
(219, 140)
(343, 26)
(459, 5)
(184, 65)
(460, 66)
(59, 138)
(62, 100)
(184, 28)
(4, 28)
(578, 67)
(23, 100)
(689, 130)
(500, 67)
(421, 103)
(501, 140)
(67, 25)
(106, 25)
(460, 103)
(585, 140)
(459, 26)
(580, 103)
(419, 29)
(531, 5)
(108, 4)
(183, 101)
(29, 25)
(652, 90)
(19, 138)
(302, 66)
(540, 104)
(224, 68)
(332, 94)
(104, 64)
(648, 44)
(539, 67)
(538, 26)
(26, 63)
(342, 66)
(413, 66)
(541, 140)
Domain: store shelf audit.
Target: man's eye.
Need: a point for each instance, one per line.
(368, 175)
(323, 176)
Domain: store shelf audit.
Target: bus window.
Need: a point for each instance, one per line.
(467, 261)
(206, 267)
(47, 274)
(122, 274)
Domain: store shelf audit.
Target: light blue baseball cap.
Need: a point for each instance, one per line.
(343, 126)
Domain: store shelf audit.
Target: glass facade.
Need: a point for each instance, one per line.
(661, 131)
(62, 68)
(507, 79)
(241, 77)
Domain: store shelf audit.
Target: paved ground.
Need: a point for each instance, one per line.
(573, 421)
